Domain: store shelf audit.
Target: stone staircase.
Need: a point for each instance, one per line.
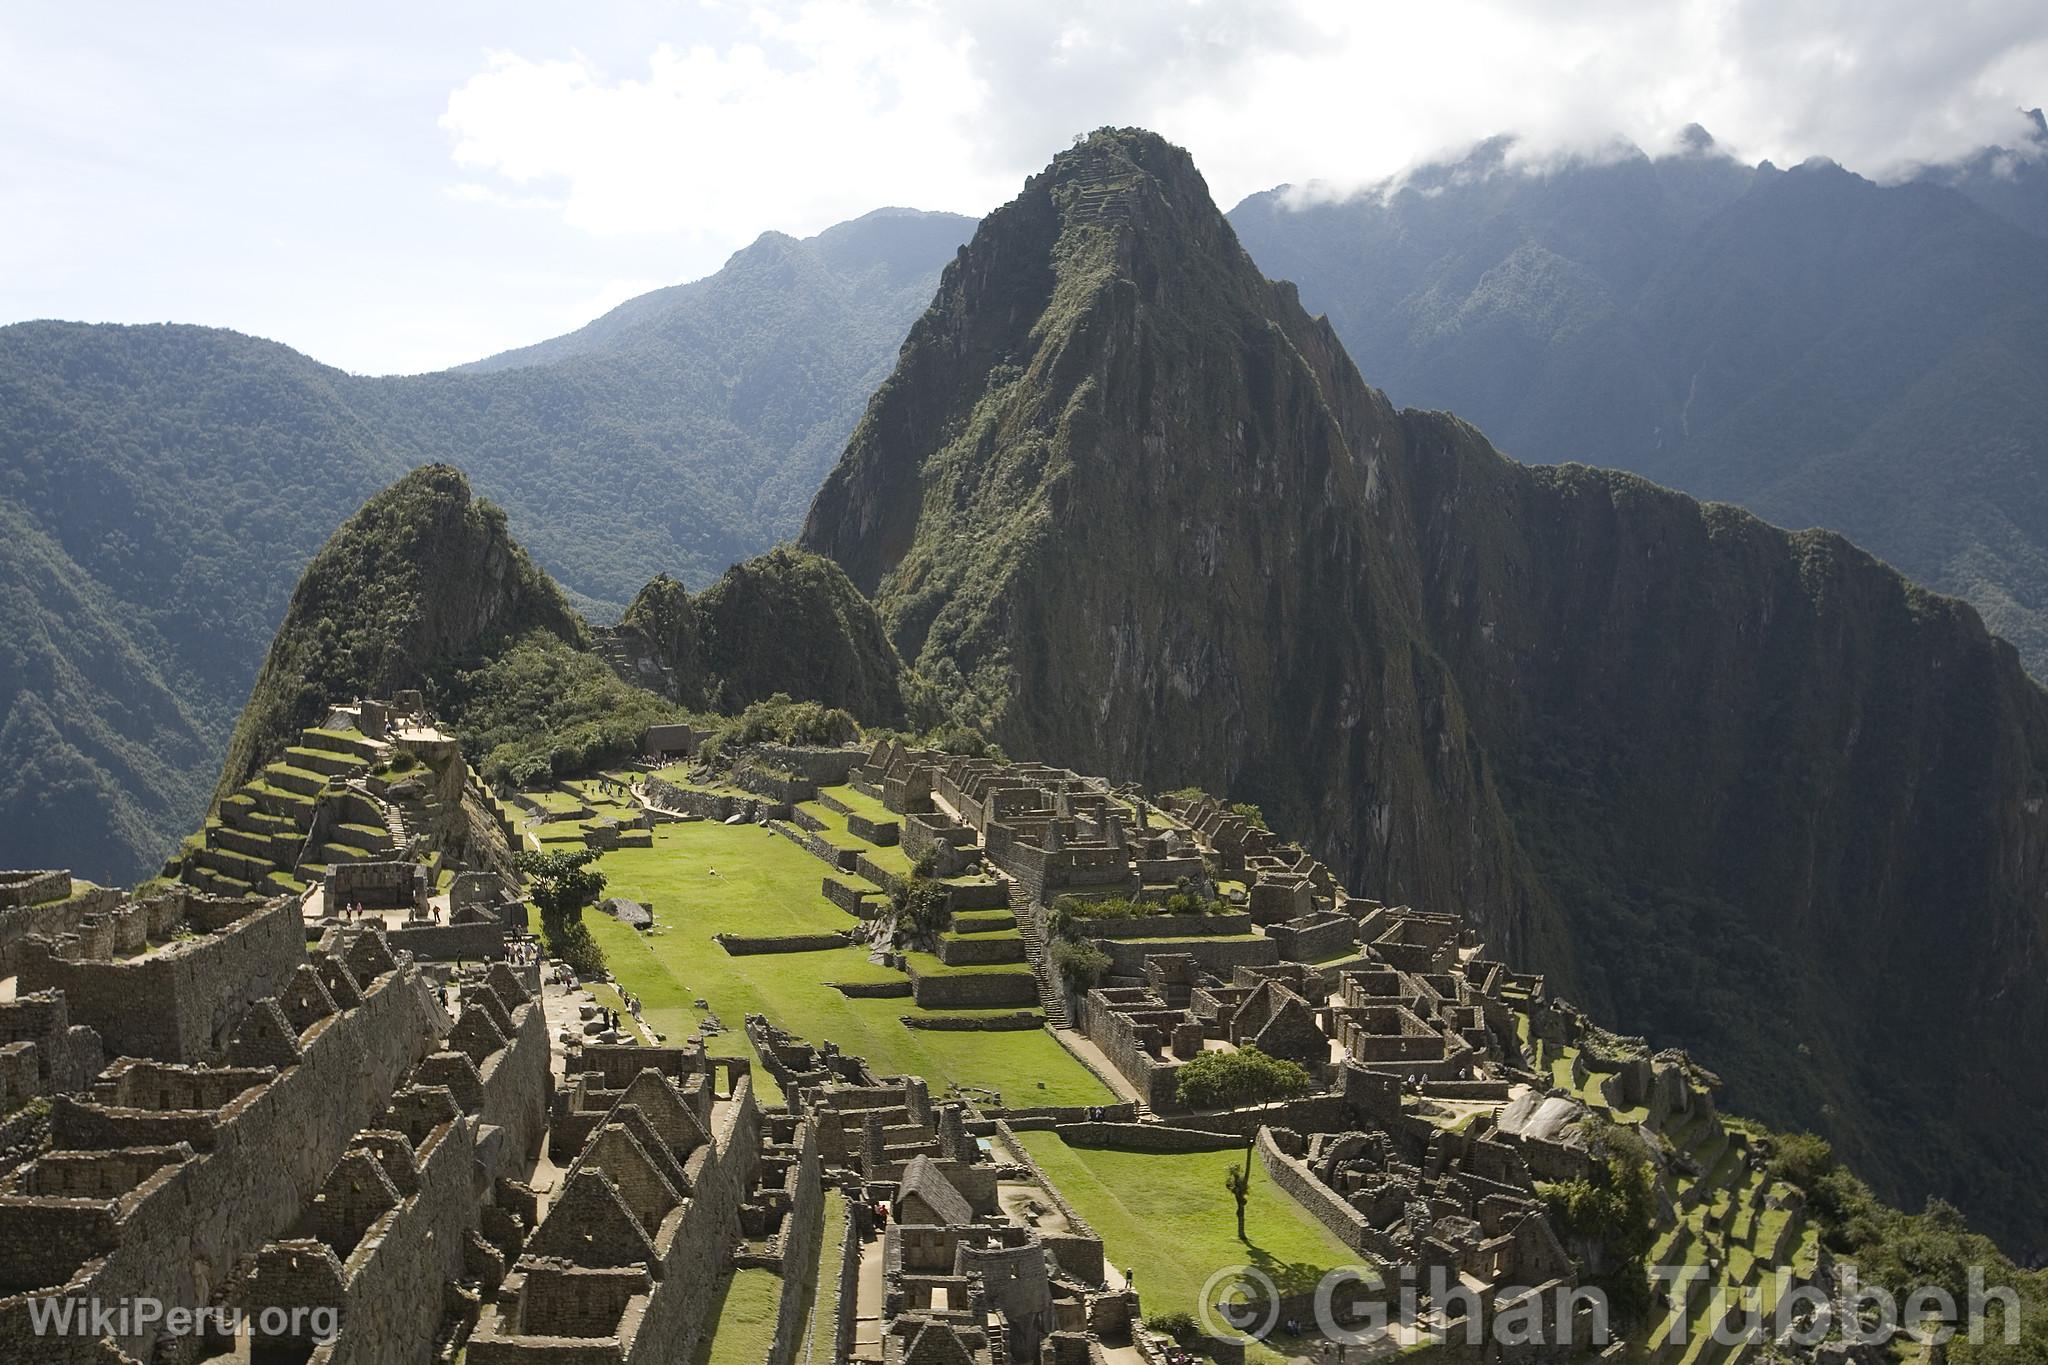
(1051, 997)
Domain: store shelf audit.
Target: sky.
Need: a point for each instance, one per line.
(396, 188)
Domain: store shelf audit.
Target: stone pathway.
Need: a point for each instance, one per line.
(867, 1303)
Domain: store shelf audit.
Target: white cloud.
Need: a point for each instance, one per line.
(821, 113)
(822, 108)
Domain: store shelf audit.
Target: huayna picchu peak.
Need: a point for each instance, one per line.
(1146, 511)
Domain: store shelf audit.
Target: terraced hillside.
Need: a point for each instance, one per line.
(338, 795)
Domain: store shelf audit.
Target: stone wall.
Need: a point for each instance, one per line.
(266, 1155)
(178, 1003)
(33, 888)
(1219, 958)
(711, 805)
(845, 1301)
(1146, 1137)
(825, 767)
(1345, 1223)
(854, 900)
(450, 942)
(395, 1277)
(974, 990)
(789, 943)
(50, 919)
(1315, 940)
(880, 833)
(1163, 926)
(801, 1251)
(818, 847)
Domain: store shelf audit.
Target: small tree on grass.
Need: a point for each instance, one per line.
(561, 885)
(1238, 1180)
(1080, 965)
(1233, 1080)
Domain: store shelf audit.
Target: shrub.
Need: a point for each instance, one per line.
(1080, 965)
(919, 908)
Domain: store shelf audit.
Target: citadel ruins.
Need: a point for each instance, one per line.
(317, 1095)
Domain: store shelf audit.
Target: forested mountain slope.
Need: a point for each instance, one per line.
(172, 481)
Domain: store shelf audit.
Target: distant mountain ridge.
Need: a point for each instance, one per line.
(1749, 791)
(169, 483)
(1819, 349)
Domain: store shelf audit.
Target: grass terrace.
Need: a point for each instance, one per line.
(742, 1318)
(1168, 1217)
(704, 878)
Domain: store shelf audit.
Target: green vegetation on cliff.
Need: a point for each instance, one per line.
(423, 580)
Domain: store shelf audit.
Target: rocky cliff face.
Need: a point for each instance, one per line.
(1750, 791)
(424, 578)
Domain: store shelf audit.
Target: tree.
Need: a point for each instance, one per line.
(1234, 1080)
(561, 884)
(1238, 1180)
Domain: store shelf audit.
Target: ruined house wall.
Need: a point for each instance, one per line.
(710, 1227)
(518, 1086)
(801, 1249)
(450, 942)
(269, 1156)
(195, 990)
(396, 1276)
(51, 919)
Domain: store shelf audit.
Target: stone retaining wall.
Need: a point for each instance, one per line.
(1162, 926)
(822, 766)
(1146, 1137)
(832, 856)
(854, 900)
(880, 833)
(740, 946)
(874, 990)
(973, 950)
(975, 990)
(990, 895)
(1023, 1021)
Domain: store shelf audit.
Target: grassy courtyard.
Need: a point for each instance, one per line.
(742, 1318)
(1168, 1217)
(704, 878)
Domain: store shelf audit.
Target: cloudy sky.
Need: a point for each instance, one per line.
(400, 187)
